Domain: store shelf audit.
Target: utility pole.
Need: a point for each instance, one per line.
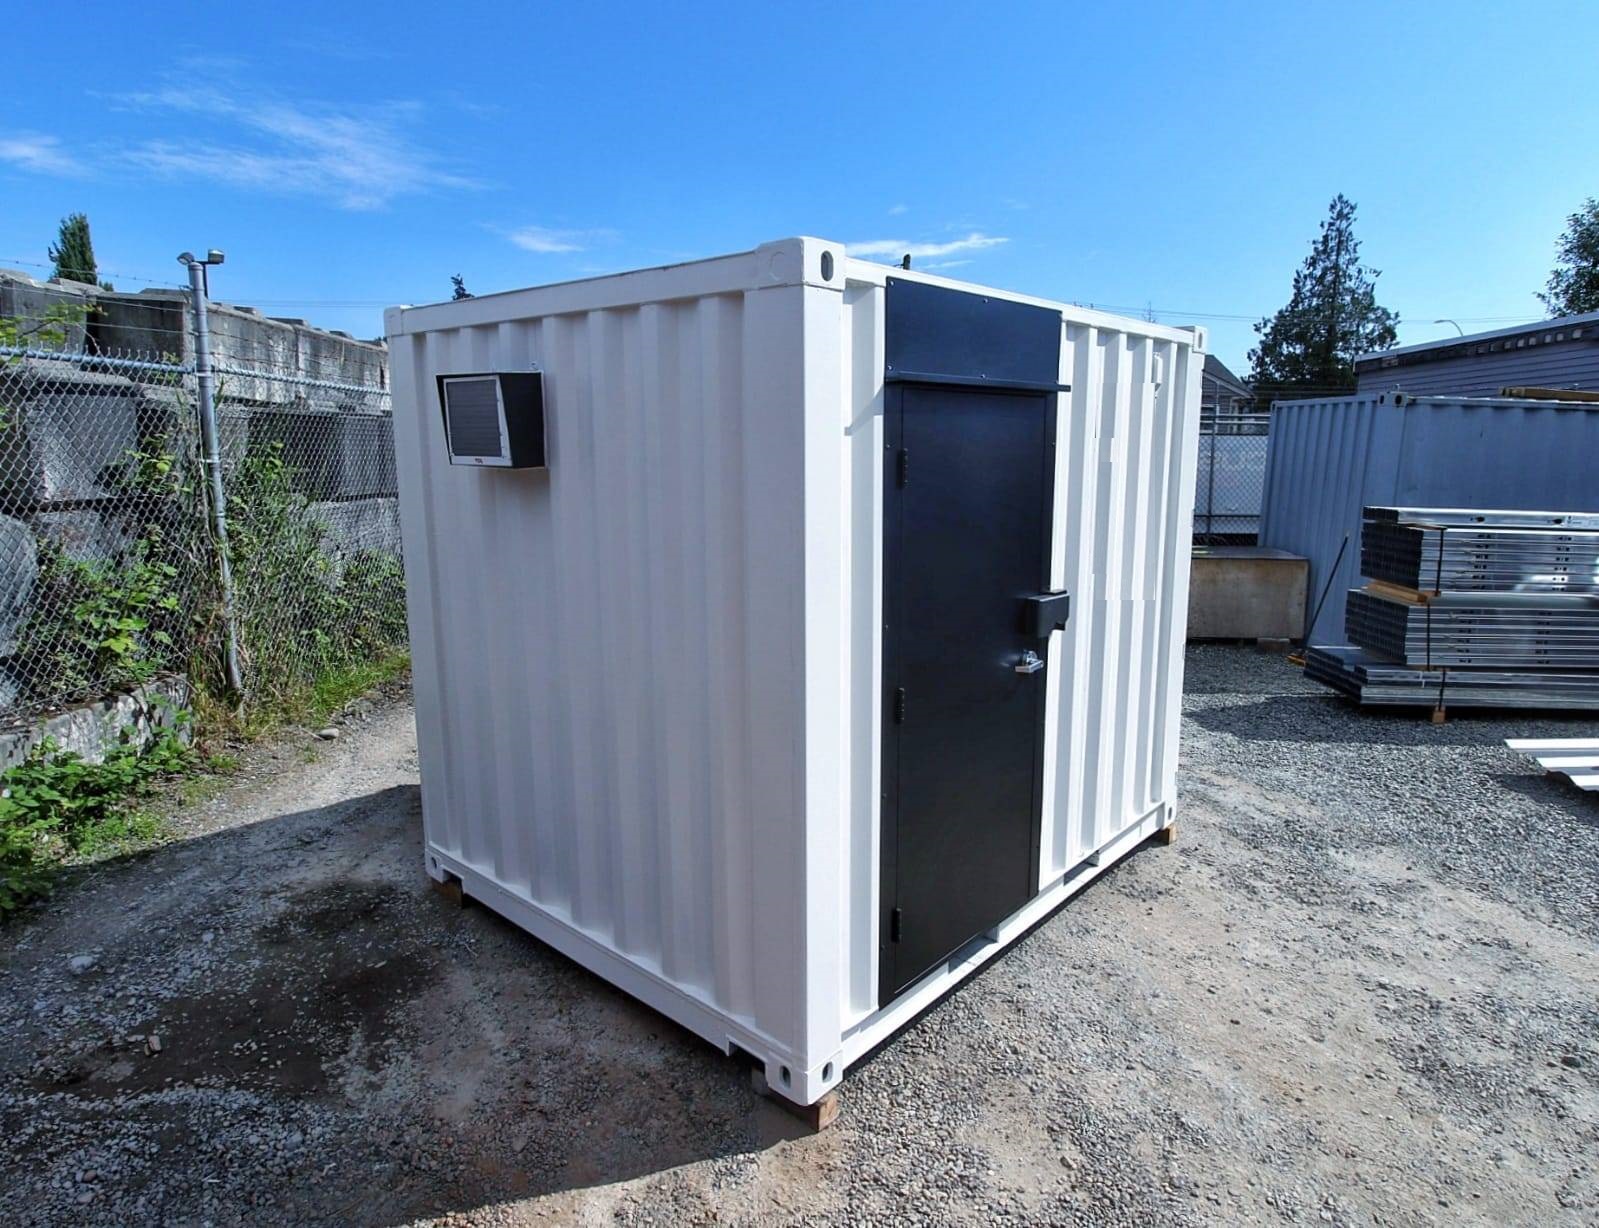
(212, 458)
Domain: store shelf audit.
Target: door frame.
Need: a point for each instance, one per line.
(893, 627)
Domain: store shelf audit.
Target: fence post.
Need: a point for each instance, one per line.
(212, 460)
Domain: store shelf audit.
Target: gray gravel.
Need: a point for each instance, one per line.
(1363, 987)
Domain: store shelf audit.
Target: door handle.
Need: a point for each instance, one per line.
(1044, 613)
(1030, 663)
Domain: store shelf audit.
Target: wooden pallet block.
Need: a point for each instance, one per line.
(1398, 592)
(816, 1116)
(1166, 834)
(450, 889)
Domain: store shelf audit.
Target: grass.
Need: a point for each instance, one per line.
(310, 705)
(335, 689)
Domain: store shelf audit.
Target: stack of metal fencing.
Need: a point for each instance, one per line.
(1471, 608)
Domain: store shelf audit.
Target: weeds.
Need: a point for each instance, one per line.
(56, 808)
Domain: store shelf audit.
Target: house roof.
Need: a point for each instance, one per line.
(1217, 370)
(1576, 328)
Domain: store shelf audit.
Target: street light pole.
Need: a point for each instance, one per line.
(212, 460)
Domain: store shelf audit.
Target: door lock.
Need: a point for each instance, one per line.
(1030, 663)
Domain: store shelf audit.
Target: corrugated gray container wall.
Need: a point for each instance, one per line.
(1328, 459)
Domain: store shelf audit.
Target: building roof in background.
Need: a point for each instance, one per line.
(1217, 370)
(1541, 332)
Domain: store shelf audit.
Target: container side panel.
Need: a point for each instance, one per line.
(825, 752)
(610, 652)
(1124, 494)
(771, 516)
(1076, 494)
(864, 399)
(429, 651)
(725, 650)
(1186, 371)
(1151, 700)
(1328, 459)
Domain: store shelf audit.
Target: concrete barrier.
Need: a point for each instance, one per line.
(1247, 593)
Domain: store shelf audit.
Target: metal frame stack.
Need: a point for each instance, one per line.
(1577, 759)
(1471, 608)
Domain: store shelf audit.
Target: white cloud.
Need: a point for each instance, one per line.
(896, 210)
(543, 240)
(31, 151)
(356, 157)
(975, 241)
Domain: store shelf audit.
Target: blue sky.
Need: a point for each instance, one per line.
(1171, 156)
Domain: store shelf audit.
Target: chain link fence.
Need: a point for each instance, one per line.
(1231, 482)
(108, 564)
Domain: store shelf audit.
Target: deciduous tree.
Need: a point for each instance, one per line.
(1573, 286)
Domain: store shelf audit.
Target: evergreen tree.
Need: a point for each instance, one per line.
(458, 288)
(1332, 316)
(73, 252)
(1573, 286)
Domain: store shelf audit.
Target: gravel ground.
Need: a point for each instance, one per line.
(1363, 987)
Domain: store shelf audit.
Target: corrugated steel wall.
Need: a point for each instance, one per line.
(675, 751)
(1128, 439)
(1328, 459)
(624, 754)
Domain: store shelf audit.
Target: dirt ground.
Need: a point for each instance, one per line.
(1362, 987)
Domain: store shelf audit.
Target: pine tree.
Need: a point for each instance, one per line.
(1332, 316)
(458, 287)
(1573, 286)
(73, 252)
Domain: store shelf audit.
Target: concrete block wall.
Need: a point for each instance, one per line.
(154, 325)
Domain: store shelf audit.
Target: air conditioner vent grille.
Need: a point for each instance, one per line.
(473, 417)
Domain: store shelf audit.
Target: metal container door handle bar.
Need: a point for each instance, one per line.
(1030, 663)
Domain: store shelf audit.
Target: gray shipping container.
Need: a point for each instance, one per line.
(1328, 459)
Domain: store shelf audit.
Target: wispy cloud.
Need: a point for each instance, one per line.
(31, 151)
(355, 157)
(975, 241)
(897, 210)
(543, 240)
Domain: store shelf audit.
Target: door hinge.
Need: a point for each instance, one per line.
(899, 706)
(894, 925)
(902, 468)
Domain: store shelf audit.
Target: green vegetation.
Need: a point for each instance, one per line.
(100, 625)
(1573, 285)
(73, 252)
(56, 809)
(1332, 317)
(317, 629)
(319, 624)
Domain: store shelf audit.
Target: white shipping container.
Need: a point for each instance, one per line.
(740, 675)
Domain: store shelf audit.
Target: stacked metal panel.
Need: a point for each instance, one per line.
(1577, 759)
(1471, 608)
(1371, 679)
(1491, 630)
(1469, 558)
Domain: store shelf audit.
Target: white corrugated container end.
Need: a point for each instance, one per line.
(649, 678)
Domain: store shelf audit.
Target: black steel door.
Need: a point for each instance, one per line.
(968, 494)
